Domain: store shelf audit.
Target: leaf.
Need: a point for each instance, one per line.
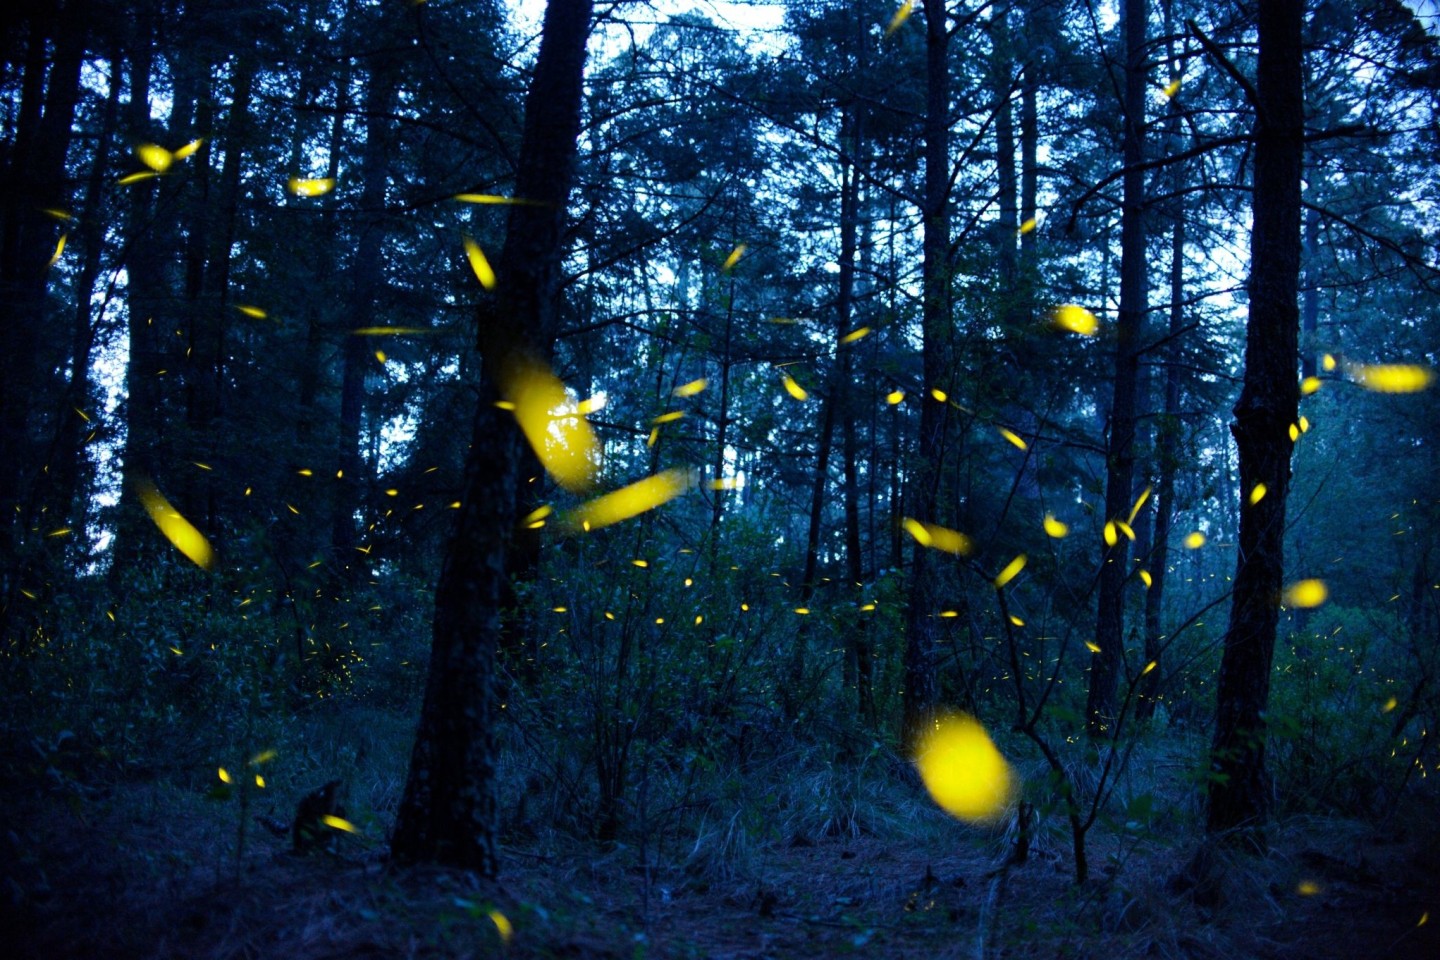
(1074, 319)
(901, 15)
(1306, 593)
(176, 528)
(563, 441)
(1055, 528)
(632, 500)
(311, 186)
(1011, 569)
(1392, 377)
(479, 264)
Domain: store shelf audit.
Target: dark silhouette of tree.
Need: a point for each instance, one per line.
(1264, 416)
(448, 813)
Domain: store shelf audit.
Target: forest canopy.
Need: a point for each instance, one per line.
(681, 435)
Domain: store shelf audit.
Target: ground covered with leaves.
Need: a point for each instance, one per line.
(150, 869)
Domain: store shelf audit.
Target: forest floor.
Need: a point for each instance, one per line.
(149, 870)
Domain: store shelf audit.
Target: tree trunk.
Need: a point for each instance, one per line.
(1268, 406)
(1108, 664)
(367, 282)
(921, 690)
(448, 812)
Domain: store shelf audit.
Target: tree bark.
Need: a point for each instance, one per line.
(448, 813)
(1107, 665)
(921, 690)
(1268, 406)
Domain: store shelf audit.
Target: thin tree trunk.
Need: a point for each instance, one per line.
(1107, 665)
(921, 690)
(1267, 408)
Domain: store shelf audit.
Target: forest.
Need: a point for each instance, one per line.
(720, 478)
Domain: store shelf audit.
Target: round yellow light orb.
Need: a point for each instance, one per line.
(962, 769)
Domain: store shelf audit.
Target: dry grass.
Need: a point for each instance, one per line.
(800, 858)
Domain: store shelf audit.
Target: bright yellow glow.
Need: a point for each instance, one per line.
(937, 537)
(187, 150)
(1092, 646)
(1027, 227)
(854, 335)
(1145, 578)
(502, 923)
(803, 611)
(1257, 493)
(733, 259)
(338, 823)
(479, 264)
(311, 186)
(249, 311)
(1148, 667)
(1126, 529)
(1111, 537)
(632, 500)
(1390, 704)
(1195, 540)
(894, 397)
(225, 776)
(692, 388)
(125, 181)
(176, 528)
(1392, 377)
(1139, 502)
(940, 395)
(1306, 593)
(564, 443)
(1011, 569)
(1013, 437)
(1294, 433)
(1309, 385)
(1055, 528)
(1075, 319)
(59, 249)
(1304, 424)
(155, 157)
(963, 771)
(388, 331)
(1172, 88)
(793, 388)
(901, 15)
(492, 199)
(670, 417)
(1327, 363)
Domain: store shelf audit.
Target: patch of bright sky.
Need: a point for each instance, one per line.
(754, 22)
